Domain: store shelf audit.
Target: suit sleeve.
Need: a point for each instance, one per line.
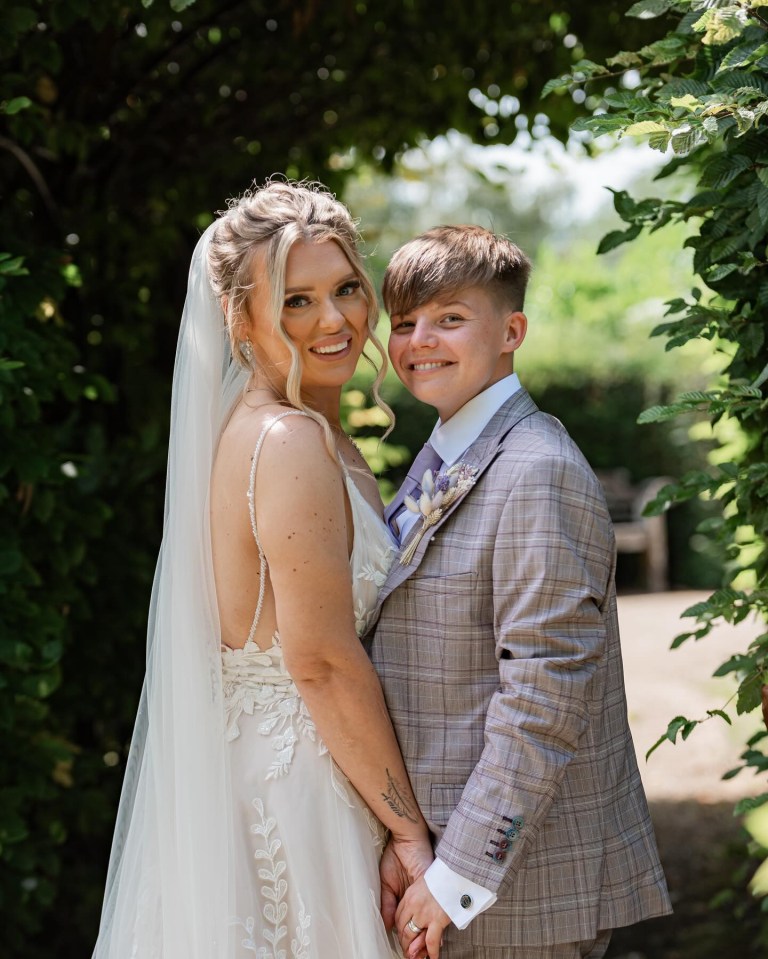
(552, 564)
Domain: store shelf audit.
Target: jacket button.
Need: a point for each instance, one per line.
(466, 901)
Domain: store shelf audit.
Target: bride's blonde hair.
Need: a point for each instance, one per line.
(271, 218)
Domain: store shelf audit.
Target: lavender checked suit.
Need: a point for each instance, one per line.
(498, 652)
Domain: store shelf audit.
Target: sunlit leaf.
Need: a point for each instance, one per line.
(645, 126)
(647, 9)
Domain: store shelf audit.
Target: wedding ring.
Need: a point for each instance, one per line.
(413, 927)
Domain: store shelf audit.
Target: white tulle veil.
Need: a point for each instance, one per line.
(168, 891)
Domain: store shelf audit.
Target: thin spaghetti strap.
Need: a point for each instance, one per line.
(252, 511)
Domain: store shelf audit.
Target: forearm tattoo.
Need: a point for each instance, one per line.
(397, 802)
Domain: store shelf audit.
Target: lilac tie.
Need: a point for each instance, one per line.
(427, 459)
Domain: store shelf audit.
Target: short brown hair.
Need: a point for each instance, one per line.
(446, 259)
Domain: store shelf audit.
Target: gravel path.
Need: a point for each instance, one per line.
(700, 842)
(663, 683)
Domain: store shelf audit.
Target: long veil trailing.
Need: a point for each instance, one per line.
(169, 882)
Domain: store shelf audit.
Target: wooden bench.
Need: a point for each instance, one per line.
(635, 533)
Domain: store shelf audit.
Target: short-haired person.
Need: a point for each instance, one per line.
(497, 643)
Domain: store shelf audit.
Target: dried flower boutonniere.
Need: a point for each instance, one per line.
(437, 494)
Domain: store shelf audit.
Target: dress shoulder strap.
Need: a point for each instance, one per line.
(252, 512)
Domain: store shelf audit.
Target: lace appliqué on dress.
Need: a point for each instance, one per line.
(256, 680)
(370, 577)
(275, 890)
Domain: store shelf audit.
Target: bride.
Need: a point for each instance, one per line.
(264, 769)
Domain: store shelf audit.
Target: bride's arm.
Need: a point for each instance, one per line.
(301, 518)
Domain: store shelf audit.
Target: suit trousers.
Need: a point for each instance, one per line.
(591, 949)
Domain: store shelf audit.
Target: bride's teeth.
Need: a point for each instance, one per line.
(428, 366)
(331, 349)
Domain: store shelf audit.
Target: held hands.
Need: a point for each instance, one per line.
(407, 902)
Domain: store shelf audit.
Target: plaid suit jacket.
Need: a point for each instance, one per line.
(498, 652)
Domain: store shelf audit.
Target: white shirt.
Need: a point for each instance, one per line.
(453, 438)
(450, 441)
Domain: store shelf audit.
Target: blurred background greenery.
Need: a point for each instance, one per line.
(123, 126)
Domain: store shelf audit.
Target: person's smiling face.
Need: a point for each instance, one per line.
(325, 315)
(448, 350)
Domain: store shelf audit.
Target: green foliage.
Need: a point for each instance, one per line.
(703, 96)
(48, 523)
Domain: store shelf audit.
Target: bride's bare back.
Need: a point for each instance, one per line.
(236, 558)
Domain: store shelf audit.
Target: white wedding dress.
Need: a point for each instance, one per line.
(307, 847)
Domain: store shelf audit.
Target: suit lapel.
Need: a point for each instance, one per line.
(480, 456)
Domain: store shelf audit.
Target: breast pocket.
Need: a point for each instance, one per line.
(453, 618)
(431, 581)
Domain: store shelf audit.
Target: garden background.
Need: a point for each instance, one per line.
(125, 125)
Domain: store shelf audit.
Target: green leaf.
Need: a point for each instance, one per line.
(749, 695)
(749, 803)
(681, 87)
(686, 139)
(659, 141)
(12, 266)
(16, 105)
(615, 238)
(648, 9)
(624, 59)
(8, 365)
(723, 170)
(589, 68)
(644, 127)
(723, 715)
(681, 725)
(559, 83)
(720, 272)
(761, 378)
(720, 26)
(665, 51)
(687, 102)
(744, 53)
(179, 5)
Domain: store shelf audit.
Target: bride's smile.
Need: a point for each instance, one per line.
(324, 315)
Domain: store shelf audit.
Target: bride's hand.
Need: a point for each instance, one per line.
(402, 863)
(419, 909)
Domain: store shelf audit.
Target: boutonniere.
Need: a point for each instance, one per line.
(437, 494)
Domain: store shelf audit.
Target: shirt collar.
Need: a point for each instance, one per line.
(453, 438)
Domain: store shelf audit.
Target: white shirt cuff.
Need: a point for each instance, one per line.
(461, 898)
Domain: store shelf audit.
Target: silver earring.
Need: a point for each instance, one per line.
(247, 351)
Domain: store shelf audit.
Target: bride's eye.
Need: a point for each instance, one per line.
(348, 288)
(294, 302)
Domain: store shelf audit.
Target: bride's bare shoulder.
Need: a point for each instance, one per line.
(285, 438)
